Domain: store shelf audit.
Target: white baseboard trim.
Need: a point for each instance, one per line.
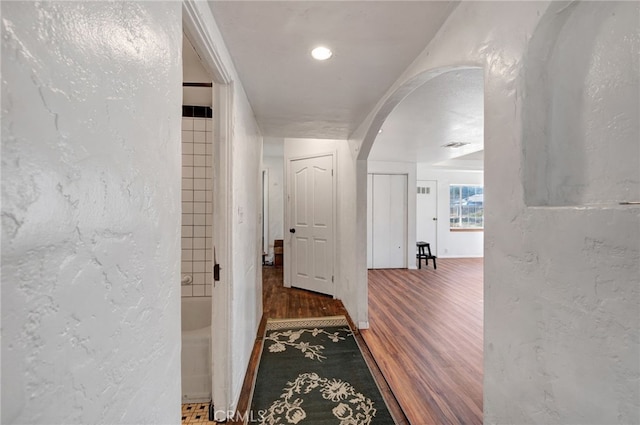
(363, 325)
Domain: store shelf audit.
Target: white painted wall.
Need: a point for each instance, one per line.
(91, 212)
(246, 307)
(194, 72)
(408, 169)
(351, 187)
(561, 283)
(582, 148)
(275, 166)
(453, 244)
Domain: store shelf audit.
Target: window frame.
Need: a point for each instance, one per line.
(462, 227)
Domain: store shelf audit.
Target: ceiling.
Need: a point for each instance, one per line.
(293, 95)
(446, 109)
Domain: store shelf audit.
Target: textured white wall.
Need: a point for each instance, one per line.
(561, 283)
(275, 165)
(562, 299)
(453, 244)
(348, 290)
(246, 307)
(91, 212)
(581, 143)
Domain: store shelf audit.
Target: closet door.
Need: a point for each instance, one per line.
(389, 217)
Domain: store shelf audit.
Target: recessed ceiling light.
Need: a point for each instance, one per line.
(380, 131)
(321, 53)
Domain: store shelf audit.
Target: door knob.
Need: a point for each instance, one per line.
(292, 230)
(435, 218)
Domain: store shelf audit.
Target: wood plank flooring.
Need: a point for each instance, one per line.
(280, 303)
(425, 333)
(425, 336)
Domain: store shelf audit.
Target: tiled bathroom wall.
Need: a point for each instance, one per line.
(197, 205)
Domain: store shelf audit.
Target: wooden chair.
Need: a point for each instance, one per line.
(425, 254)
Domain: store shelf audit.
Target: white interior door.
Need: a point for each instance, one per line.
(311, 223)
(427, 213)
(389, 216)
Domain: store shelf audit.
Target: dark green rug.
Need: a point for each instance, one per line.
(312, 372)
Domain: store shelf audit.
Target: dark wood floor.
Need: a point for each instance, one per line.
(426, 336)
(424, 343)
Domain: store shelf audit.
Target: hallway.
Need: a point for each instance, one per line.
(92, 189)
(425, 337)
(280, 303)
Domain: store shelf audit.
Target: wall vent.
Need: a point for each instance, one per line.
(455, 144)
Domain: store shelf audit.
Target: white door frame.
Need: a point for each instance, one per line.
(198, 33)
(288, 269)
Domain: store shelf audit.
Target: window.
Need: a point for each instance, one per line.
(466, 207)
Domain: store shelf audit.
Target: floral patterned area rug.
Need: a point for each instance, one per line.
(312, 372)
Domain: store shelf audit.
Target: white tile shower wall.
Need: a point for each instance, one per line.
(197, 205)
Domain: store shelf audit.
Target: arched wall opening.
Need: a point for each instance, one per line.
(435, 136)
(394, 99)
(382, 120)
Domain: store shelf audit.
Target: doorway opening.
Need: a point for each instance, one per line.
(197, 228)
(311, 191)
(217, 183)
(436, 132)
